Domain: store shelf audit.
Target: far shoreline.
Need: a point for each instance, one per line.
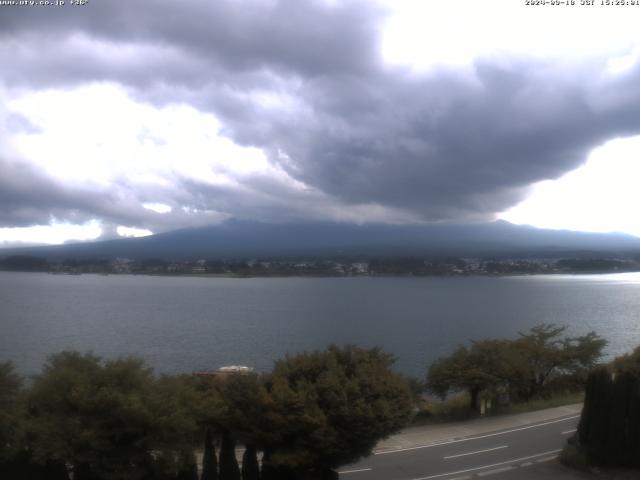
(277, 276)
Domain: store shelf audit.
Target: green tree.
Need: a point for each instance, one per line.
(229, 469)
(523, 367)
(174, 403)
(543, 354)
(209, 412)
(629, 363)
(242, 409)
(108, 419)
(15, 461)
(10, 427)
(164, 466)
(209, 459)
(609, 428)
(242, 404)
(187, 466)
(93, 416)
(326, 409)
(486, 366)
(250, 467)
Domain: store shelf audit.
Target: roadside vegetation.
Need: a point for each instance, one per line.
(609, 430)
(557, 400)
(541, 368)
(456, 407)
(86, 418)
(90, 419)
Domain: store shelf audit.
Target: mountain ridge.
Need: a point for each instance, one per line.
(240, 238)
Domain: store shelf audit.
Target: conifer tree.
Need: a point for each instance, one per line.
(209, 459)
(594, 428)
(55, 470)
(250, 468)
(163, 466)
(229, 469)
(609, 429)
(187, 466)
(268, 471)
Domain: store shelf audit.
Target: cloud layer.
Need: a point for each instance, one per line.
(316, 123)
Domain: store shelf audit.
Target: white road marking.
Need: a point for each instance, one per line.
(487, 466)
(354, 471)
(473, 453)
(567, 432)
(495, 471)
(476, 438)
(546, 459)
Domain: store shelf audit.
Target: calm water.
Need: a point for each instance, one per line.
(181, 324)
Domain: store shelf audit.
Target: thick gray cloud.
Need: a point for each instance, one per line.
(304, 81)
(28, 197)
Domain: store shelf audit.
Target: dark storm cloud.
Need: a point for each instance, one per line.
(449, 145)
(29, 197)
(297, 37)
(303, 80)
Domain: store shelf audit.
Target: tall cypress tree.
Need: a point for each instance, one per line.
(24, 467)
(609, 430)
(188, 467)
(634, 425)
(593, 430)
(82, 471)
(229, 469)
(250, 468)
(163, 466)
(209, 459)
(268, 471)
(55, 470)
(618, 431)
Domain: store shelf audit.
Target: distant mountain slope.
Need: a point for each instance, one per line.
(254, 239)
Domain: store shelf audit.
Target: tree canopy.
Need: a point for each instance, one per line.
(330, 408)
(106, 419)
(522, 367)
(97, 419)
(10, 415)
(628, 364)
(543, 354)
(485, 366)
(609, 428)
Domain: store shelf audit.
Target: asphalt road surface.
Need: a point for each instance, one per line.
(475, 456)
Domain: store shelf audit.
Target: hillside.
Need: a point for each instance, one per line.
(253, 239)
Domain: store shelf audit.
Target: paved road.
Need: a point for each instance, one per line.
(479, 455)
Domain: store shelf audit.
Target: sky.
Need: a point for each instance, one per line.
(121, 118)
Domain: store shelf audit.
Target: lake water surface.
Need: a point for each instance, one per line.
(182, 324)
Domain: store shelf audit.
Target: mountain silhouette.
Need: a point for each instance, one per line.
(238, 238)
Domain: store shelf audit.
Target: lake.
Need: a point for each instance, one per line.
(182, 324)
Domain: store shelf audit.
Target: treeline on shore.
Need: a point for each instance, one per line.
(86, 418)
(326, 267)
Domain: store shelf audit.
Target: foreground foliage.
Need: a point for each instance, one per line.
(535, 365)
(609, 429)
(110, 419)
(91, 419)
(330, 408)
